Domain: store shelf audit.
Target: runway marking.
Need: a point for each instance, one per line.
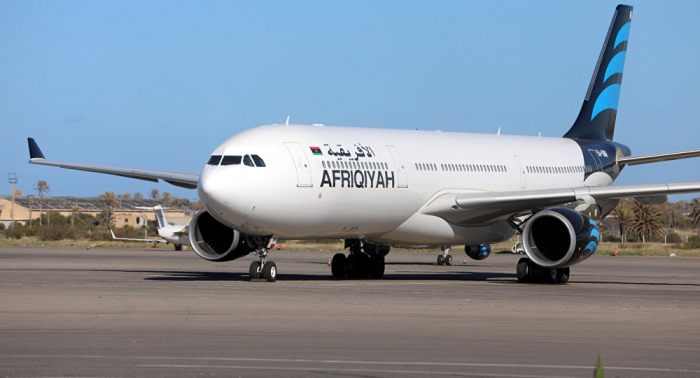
(388, 363)
(357, 371)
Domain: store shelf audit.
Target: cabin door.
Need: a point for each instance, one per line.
(301, 163)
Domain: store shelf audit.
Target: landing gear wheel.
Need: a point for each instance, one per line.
(549, 275)
(356, 265)
(376, 267)
(338, 265)
(178, 247)
(523, 270)
(563, 275)
(269, 271)
(448, 260)
(254, 271)
(441, 260)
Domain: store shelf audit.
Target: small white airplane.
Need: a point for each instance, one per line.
(378, 187)
(175, 234)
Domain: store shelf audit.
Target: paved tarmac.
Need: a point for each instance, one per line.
(117, 312)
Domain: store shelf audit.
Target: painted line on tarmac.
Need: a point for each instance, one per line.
(387, 363)
(354, 371)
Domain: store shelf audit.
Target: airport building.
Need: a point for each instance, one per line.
(125, 213)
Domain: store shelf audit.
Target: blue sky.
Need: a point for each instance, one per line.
(160, 84)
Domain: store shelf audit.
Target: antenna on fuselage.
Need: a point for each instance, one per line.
(499, 131)
(287, 123)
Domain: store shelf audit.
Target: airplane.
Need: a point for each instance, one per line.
(175, 234)
(378, 187)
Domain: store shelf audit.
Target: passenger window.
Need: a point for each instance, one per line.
(248, 161)
(258, 161)
(324, 164)
(231, 160)
(214, 160)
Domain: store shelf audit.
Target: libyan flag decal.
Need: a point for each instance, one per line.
(316, 150)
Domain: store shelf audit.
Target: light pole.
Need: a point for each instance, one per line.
(12, 178)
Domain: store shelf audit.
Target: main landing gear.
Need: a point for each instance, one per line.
(262, 268)
(528, 271)
(359, 263)
(178, 247)
(445, 258)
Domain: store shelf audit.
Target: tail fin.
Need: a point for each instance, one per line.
(596, 121)
(160, 216)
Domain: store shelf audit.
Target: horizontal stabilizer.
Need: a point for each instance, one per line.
(636, 160)
(139, 240)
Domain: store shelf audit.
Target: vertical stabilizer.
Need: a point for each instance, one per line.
(596, 121)
(160, 216)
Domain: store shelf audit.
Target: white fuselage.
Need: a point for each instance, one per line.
(371, 184)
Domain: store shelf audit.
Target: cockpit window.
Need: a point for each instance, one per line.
(231, 160)
(214, 160)
(258, 161)
(248, 161)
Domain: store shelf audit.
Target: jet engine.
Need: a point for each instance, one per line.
(215, 241)
(558, 238)
(478, 251)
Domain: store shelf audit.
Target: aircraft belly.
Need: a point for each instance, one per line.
(422, 229)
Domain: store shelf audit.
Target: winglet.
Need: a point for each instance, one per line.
(34, 150)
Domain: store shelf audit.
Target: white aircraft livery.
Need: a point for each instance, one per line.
(378, 187)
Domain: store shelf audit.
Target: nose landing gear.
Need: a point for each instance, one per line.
(263, 268)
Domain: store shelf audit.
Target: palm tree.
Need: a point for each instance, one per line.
(42, 188)
(695, 213)
(109, 201)
(155, 194)
(73, 212)
(138, 196)
(166, 198)
(126, 196)
(649, 221)
(624, 216)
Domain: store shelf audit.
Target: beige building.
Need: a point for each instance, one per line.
(125, 213)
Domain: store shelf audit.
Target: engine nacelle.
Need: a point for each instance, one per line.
(214, 241)
(557, 238)
(478, 251)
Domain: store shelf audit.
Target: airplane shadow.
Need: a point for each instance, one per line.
(408, 276)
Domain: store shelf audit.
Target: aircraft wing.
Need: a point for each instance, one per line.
(142, 240)
(181, 179)
(472, 209)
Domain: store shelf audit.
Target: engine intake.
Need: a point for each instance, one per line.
(214, 241)
(557, 238)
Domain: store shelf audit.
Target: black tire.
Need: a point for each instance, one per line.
(549, 275)
(448, 260)
(441, 260)
(361, 265)
(523, 270)
(254, 270)
(376, 267)
(563, 276)
(338, 265)
(178, 247)
(269, 271)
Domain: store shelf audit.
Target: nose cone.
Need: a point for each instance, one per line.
(212, 190)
